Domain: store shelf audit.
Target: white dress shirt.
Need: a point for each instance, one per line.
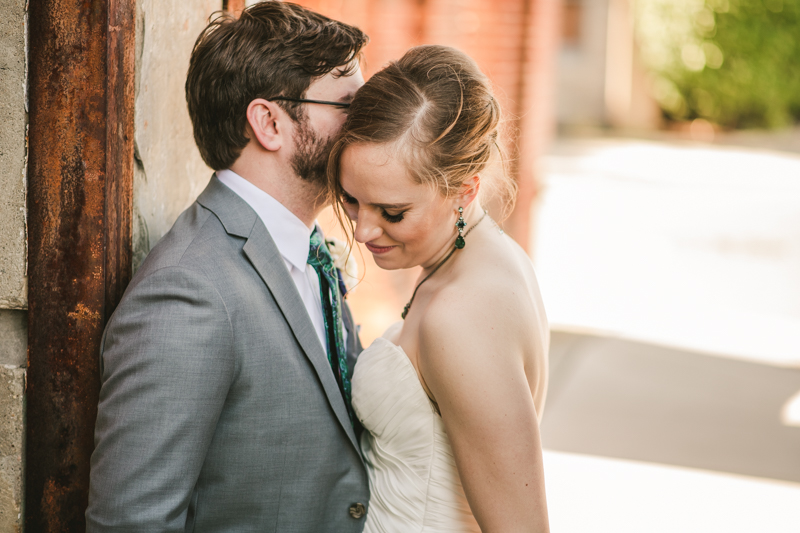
(292, 238)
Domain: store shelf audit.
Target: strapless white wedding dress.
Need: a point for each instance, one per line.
(413, 481)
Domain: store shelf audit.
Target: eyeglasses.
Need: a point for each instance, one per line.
(340, 105)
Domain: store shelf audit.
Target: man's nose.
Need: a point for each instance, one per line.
(367, 228)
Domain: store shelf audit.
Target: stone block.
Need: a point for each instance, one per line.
(12, 387)
(13, 337)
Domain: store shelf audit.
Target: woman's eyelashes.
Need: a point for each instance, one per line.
(393, 219)
(388, 217)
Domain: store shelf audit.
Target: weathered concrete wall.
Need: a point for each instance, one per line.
(169, 172)
(13, 258)
(13, 117)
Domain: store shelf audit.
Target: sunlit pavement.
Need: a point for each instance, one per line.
(671, 275)
(676, 244)
(590, 494)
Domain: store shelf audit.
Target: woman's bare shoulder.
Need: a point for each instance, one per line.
(492, 308)
(494, 304)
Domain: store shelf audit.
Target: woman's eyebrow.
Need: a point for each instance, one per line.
(384, 206)
(392, 206)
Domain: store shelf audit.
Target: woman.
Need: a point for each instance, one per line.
(450, 397)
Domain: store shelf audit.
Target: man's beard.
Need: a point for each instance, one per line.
(310, 159)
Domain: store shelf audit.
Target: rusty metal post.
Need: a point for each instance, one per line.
(80, 174)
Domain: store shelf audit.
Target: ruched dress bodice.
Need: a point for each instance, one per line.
(414, 484)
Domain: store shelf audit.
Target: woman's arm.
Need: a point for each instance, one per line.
(472, 361)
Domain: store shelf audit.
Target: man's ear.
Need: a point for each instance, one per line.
(469, 190)
(267, 122)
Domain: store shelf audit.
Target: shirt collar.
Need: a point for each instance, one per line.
(288, 232)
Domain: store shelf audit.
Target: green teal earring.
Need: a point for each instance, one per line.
(460, 224)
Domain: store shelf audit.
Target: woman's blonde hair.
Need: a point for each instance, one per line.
(437, 107)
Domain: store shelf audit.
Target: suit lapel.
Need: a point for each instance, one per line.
(268, 262)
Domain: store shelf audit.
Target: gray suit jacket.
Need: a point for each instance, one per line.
(218, 408)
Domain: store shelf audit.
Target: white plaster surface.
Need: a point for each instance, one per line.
(13, 117)
(169, 172)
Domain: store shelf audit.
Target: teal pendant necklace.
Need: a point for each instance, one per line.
(459, 244)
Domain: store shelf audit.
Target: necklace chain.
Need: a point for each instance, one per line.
(443, 261)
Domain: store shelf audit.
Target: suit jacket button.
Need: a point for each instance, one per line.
(357, 510)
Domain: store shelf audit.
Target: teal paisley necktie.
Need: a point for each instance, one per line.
(331, 292)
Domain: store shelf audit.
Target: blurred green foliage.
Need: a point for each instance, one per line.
(733, 62)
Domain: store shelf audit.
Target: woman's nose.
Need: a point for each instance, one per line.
(367, 229)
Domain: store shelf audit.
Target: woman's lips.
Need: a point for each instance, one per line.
(377, 249)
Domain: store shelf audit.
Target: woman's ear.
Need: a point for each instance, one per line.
(266, 121)
(469, 190)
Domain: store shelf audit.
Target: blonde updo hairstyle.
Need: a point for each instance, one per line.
(437, 108)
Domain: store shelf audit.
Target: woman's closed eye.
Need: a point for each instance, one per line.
(393, 219)
(346, 198)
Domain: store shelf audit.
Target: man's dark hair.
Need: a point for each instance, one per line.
(273, 49)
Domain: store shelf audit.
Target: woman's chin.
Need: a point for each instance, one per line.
(386, 263)
(393, 260)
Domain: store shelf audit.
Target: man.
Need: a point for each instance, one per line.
(225, 368)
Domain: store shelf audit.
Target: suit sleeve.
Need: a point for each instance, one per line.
(167, 364)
